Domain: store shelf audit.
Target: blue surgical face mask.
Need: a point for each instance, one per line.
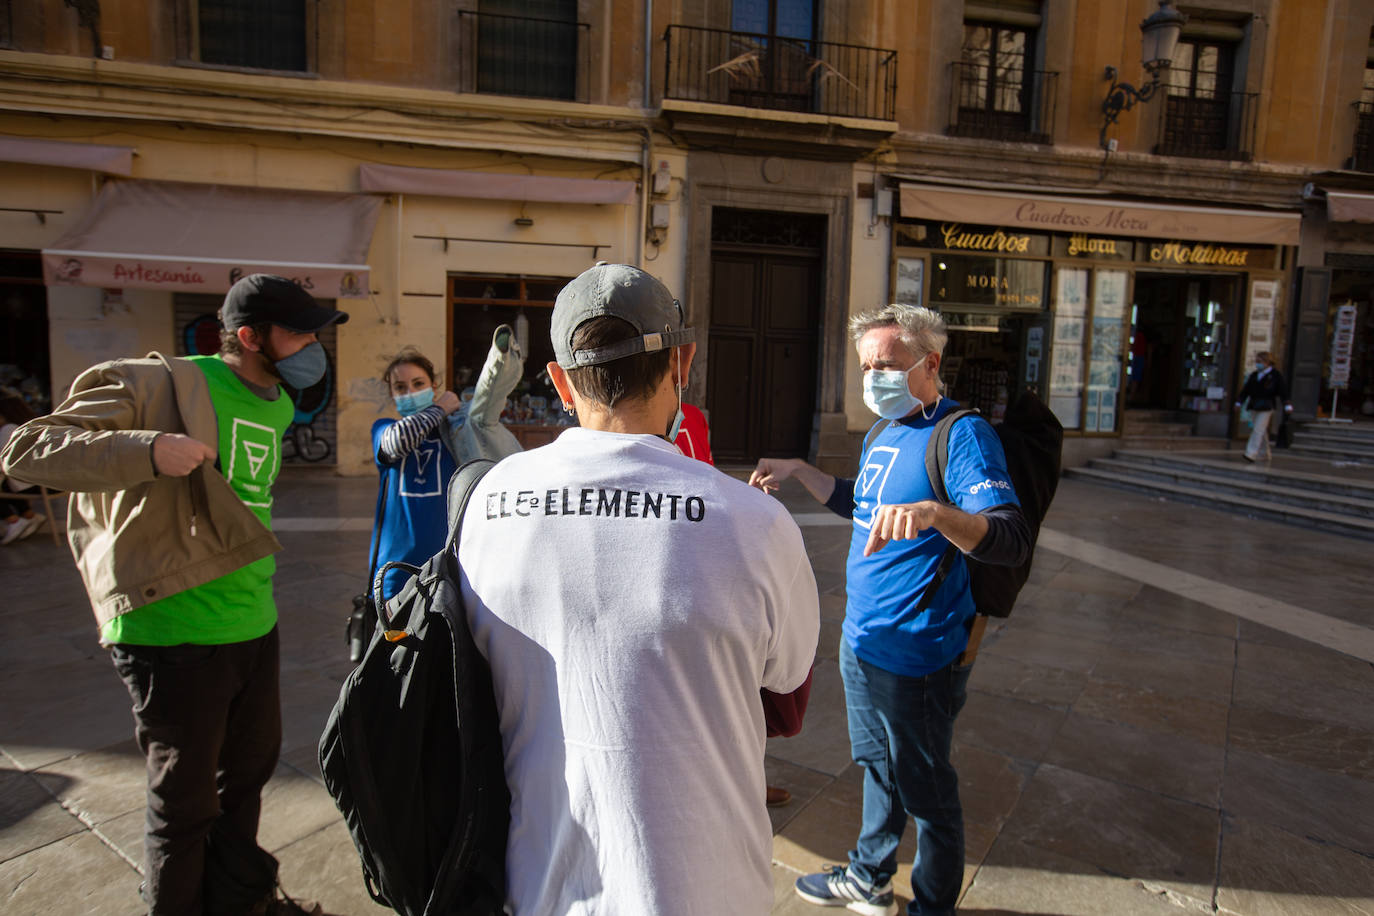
(887, 392)
(412, 402)
(677, 417)
(303, 368)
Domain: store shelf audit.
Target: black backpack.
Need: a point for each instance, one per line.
(1033, 439)
(412, 750)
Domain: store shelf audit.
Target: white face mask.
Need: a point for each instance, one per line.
(887, 392)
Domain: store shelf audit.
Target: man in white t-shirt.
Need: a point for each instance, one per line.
(632, 602)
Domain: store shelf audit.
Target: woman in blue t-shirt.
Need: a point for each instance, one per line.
(416, 461)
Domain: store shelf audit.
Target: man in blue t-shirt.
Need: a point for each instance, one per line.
(906, 669)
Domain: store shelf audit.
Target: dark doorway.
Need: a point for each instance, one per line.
(766, 282)
(1183, 345)
(24, 369)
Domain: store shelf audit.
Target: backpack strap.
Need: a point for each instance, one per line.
(937, 452)
(873, 433)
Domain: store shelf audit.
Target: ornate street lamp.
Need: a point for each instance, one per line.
(1158, 38)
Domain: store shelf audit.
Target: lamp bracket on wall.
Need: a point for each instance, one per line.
(596, 249)
(42, 215)
(1123, 97)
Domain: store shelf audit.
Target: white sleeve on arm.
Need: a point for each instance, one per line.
(796, 613)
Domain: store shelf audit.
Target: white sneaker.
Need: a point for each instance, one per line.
(31, 524)
(13, 530)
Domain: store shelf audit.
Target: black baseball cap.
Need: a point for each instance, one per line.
(265, 299)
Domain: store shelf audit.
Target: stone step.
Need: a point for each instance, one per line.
(1252, 481)
(1174, 443)
(1337, 484)
(1359, 432)
(1175, 430)
(1247, 505)
(1332, 440)
(1343, 453)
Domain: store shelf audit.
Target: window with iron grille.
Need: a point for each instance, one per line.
(1363, 159)
(261, 34)
(527, 47)
(997, 92)
(1198, 115)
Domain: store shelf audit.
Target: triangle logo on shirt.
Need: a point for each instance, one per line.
(256, 453)
(423, 459)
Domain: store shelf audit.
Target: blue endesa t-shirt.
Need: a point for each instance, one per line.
(884, 589)
(414, 521)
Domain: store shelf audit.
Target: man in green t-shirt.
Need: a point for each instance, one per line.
(171, 463)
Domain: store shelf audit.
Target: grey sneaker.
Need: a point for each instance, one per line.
(836, 887)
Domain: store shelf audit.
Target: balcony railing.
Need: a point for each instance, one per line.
(1015, 106)
(1363, 159)
(523, 55)
(1220, 128)
(782, 74)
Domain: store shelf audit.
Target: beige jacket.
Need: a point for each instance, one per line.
(138, 537)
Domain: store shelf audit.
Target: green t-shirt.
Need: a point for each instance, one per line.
(238, 606)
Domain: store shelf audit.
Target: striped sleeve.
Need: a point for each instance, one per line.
(405, 435)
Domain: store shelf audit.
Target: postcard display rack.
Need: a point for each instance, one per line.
(1087, 332)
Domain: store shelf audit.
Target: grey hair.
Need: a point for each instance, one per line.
(922, 330)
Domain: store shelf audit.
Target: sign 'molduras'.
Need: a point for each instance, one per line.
(1212, 255)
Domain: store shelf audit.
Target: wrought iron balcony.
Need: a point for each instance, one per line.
(782, 74)
(1363, 159)
(1218, 128)
(997, 104)
(523, 55)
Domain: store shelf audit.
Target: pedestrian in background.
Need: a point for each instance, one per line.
(1263, 391)
(17, 518)
(171, 464)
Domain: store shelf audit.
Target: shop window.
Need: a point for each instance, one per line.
(998, 91)
(527, 48)
(313, 437)
(6, 24)
(24, 369)
(1088, 348)
(478, 305)
(258, 34)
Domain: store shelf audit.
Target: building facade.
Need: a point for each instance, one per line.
(440, 168)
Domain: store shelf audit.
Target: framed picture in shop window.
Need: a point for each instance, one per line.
(1066, 365)
(911, 274)
(1106, 350)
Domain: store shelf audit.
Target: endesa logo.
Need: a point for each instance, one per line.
(988, 485)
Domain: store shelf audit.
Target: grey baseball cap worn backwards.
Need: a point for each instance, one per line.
(623, 292)
(265, 299)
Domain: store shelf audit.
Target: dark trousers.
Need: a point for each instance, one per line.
(208, 720)
(900, 731)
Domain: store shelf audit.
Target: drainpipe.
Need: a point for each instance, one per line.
(647, 145)
(648, 54)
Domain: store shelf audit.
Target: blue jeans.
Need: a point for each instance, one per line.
(900, 729)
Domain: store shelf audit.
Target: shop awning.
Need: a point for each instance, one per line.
(112, 160)
(1049, 213)
(398, 179)
(201, 238)
(1349, 207)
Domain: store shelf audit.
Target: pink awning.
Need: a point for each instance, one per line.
(201, 238)
(397, 179)
(1349, 207)
(1044, 213)
(112, 160)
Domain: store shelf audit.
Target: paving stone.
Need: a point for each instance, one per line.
(29, 817)
(1154, 712)
(1268, 872)
(804, 784)
(1119, 829)
(1164, 673)
(990, 785)
(1027, 681)
(823, 744)
(324, 867)
(1340, 704)
(124, 834)
(1169, 765)
(1165, 609)
(1306, 664)
(74, 707)
(293, 806)
(1082, 577)
(1055, 650)
(1019, 878)
(1006, 725)
(78, 874)
(1144, 636)
(1320, 745)
(1327, 807)
(99, 785)
(1069, 613)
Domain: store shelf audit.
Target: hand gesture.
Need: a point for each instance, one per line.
(769, 474)
(899, 522)
(448, 401)
(175, 455)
